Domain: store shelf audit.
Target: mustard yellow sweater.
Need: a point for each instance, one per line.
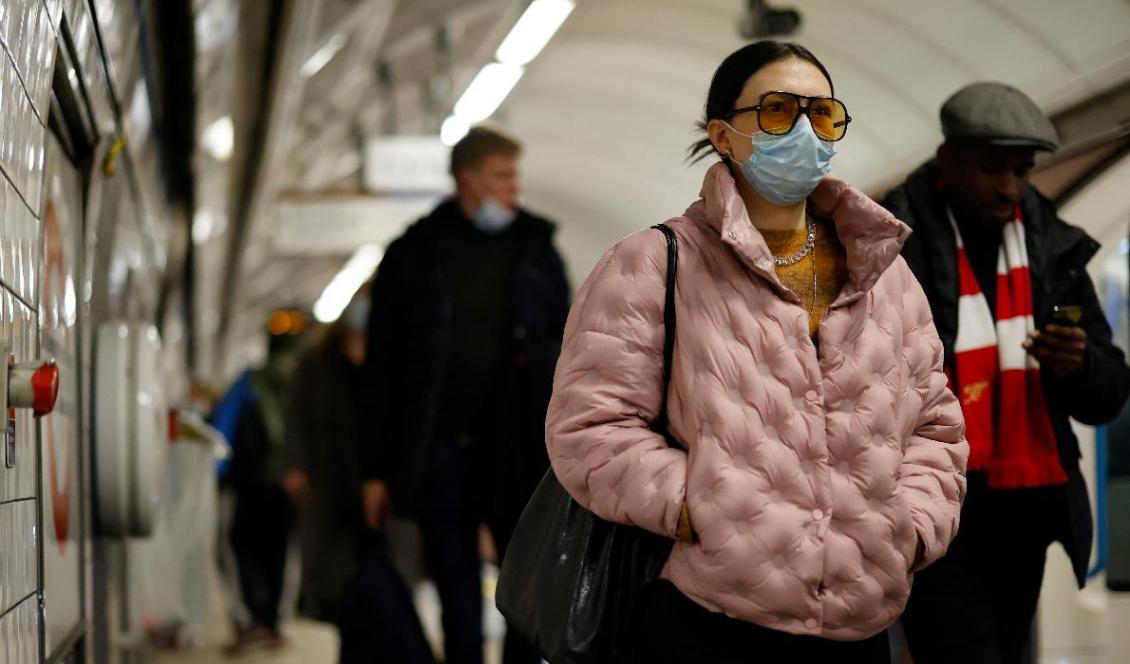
(831, 267)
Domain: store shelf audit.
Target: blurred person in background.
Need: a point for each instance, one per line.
(468, 308)
(347, 578)
(1027, 347)
(264, 516)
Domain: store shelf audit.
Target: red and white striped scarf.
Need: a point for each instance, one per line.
(998, 383)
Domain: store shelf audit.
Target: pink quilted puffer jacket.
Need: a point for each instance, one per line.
(810, 473)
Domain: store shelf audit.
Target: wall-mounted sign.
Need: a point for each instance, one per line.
(406, 164)
(338, 225)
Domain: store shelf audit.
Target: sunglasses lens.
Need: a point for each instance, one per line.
(829, 118)
(778, 113)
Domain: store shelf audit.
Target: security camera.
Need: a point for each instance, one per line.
(761, 21)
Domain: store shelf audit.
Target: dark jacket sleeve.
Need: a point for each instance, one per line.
(897, 202)
(380, 368)
(249, 448)
(559, 306)
(1098, 394)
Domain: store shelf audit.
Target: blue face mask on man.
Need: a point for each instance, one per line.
(785, 169)
(493, 217)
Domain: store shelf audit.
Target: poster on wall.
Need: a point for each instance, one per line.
(58, 319)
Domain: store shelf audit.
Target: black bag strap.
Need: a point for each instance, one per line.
(668, 323)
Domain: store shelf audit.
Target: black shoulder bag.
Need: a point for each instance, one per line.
(570, 581)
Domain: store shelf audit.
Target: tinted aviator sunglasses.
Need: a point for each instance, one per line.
(778, 112)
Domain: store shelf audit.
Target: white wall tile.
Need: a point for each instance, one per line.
(19, 562)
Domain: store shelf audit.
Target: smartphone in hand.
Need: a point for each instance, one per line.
(1067, 315)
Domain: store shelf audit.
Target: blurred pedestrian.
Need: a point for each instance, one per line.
(264, 517)
(1027, 347)
(468, 307)
(347, 578)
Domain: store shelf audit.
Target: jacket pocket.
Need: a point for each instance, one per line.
(701, 523)
(906, 534)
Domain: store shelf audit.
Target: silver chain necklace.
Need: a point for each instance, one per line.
(812, 307)
(809, 242)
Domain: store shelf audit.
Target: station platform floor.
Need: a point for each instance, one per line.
(310, 642)
(1087, 627)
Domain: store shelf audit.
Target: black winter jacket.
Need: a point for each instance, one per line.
(1058, 255)
(321, 441)
(409, 341)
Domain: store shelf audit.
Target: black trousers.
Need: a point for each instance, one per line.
(675, 630)
(449, 521)
(260, 533)
(976, 605)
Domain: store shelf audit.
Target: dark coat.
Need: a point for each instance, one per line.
(1058, 254)
(258, 437)
(322, 441)
(409, 341)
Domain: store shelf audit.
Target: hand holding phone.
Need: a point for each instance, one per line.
(1062, 345)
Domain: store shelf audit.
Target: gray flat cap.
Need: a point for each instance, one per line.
(998, 114)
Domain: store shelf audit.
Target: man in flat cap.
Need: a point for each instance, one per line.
(1026, 348)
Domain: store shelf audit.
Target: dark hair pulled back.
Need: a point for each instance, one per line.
(731, 76)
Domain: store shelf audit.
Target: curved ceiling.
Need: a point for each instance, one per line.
(607, 110)
(1104, 208)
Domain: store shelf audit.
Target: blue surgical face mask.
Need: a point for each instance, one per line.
(493, 217)
(785, 169)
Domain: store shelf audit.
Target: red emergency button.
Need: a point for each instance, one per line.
(45, 386)
(35, 387)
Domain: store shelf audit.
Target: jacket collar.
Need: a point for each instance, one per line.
(532, 231)
(1053, 244)
(871, 236)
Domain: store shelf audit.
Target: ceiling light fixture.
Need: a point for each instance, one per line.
(323, 55)
(219, 138)
(453, 129)
(486, 92)
(489, 89)
(345, 283)
(533, 31)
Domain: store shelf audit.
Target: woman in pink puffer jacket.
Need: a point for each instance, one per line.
(824, 455)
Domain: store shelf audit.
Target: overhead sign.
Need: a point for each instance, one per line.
(339, 225)
(406, 164)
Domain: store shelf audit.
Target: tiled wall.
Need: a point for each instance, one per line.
(25, 74)
(19, 559)
(18, 325)
(28, 41)
(27, 52)
(19, 634)
(25, 79)
(19, 250)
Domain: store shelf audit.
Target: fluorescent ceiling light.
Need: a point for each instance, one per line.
(202, 224)
(345, 283)
(487, 91)
(453, 129)
(218, 138)
(206, 226)
(533, 31)
(323, 55)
